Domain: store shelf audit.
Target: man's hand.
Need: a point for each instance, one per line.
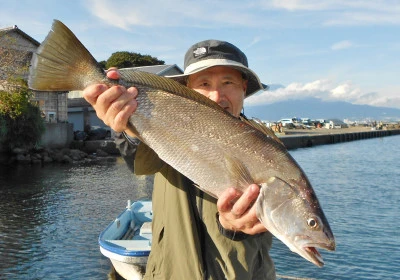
(237, 211)
(113, 105)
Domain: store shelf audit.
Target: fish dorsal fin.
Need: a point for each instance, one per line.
(258, 124)
(146, 79)
(238, 172)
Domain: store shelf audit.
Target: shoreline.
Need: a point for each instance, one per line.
(305, 138)
(100, 150)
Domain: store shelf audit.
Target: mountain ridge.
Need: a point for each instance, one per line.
(315, 108)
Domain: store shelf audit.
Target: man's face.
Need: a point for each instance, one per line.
(222, 84)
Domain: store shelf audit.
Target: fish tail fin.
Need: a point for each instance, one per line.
(62, 63)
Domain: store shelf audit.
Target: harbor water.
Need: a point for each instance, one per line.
(50, 217)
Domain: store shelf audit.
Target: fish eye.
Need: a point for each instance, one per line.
(312, 222)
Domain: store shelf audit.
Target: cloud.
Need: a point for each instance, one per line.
(260, 14)
(342, 12)
(295, 5)
(255, 41)
(181, 13)
(382, 6)
(325, 90)
(341, 45)
(358, 18)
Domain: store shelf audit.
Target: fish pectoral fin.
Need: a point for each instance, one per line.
(238, 172)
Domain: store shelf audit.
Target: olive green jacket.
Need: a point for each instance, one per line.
(187, 242)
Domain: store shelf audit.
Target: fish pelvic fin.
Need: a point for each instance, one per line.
(62, 63)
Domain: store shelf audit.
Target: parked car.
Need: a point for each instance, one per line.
(335, 123)
(288, 123)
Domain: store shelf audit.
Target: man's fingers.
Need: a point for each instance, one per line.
(227, 199)
(244, 203)
(120, 120)
(113, 73)
(257, 228)
(238, 212)
(91, 93)
(117, 105)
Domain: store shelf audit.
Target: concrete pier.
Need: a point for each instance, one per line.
(294, 139)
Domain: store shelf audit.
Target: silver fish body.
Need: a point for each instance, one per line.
(201, 140)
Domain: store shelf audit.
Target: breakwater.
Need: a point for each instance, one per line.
(293, 139)
(302, 138)
(100, 150)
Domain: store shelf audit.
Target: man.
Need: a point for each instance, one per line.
(194, 235)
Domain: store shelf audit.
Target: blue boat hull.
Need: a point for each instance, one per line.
(127, 240)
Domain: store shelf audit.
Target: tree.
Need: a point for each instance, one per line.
(103, 64)
(126, 59)
(21, 124)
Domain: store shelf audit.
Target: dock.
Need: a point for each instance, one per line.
(292, 138)
(303, 138)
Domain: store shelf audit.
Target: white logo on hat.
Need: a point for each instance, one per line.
(199, 51)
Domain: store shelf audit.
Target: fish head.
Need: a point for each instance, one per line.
(295, 218)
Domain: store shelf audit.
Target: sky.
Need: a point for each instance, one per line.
(334, 50)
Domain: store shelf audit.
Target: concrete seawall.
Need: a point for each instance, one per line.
(293, 139)
(302, 139)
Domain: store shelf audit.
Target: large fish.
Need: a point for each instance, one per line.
(201, 140)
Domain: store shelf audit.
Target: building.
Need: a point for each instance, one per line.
(81, 113)
(16, 49)
(63, 112)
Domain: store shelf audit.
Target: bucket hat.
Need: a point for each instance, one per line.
(210, 53)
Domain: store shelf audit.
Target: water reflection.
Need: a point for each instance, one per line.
(51, 218)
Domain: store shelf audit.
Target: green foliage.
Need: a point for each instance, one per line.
(21, 124)
(131, 59)
(16, 102)
(103, 64)
(23, 131)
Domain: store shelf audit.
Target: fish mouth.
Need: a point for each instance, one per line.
(311, 253)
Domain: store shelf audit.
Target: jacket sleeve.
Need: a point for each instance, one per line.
(139, 158)
(127, 146)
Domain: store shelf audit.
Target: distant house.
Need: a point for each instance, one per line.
(81, 113)
(16, 49)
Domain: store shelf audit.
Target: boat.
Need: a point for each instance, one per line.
(127, 240)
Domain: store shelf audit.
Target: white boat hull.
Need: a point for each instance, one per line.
(127, 240)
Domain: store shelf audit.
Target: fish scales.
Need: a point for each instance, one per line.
(210, 142)
(201, 140)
